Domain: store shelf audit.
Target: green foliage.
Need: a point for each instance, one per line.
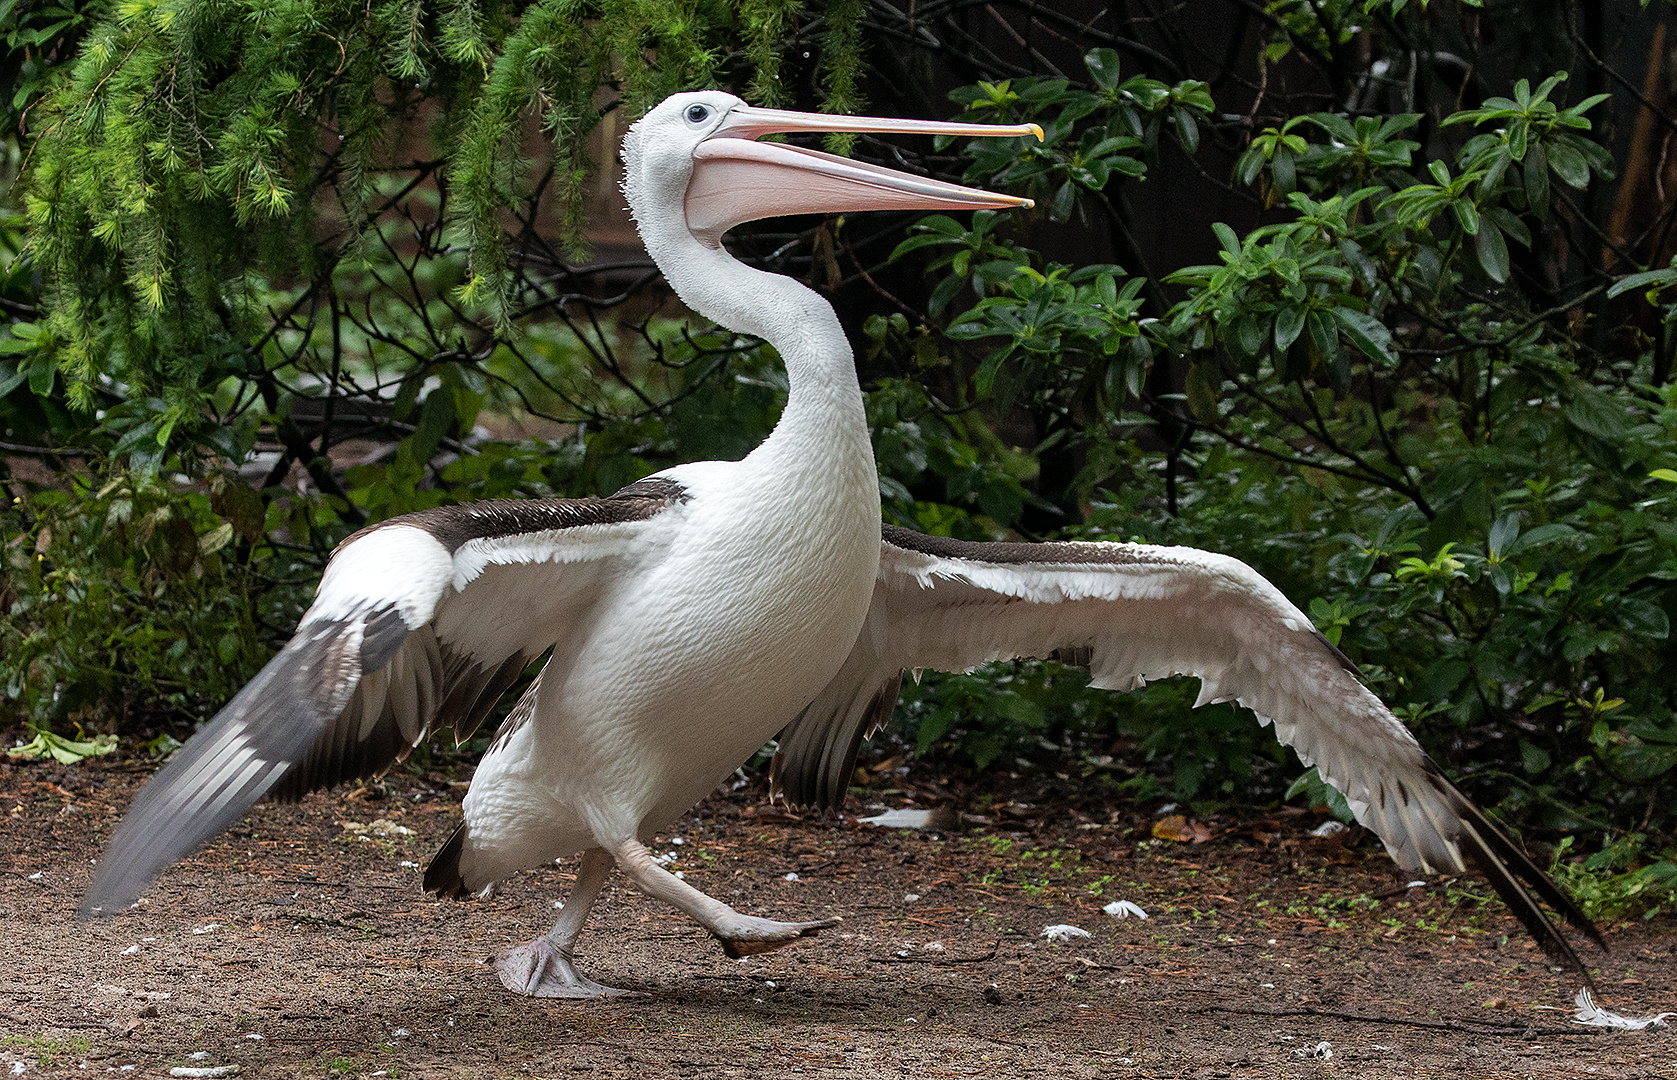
(1617, 882)
(176, 127)
(132, 596)
(1476, 508)
(293, 268)
(1088, 134)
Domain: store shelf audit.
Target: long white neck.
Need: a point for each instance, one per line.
(821, 441)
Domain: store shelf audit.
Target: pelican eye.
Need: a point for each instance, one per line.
(697, 114)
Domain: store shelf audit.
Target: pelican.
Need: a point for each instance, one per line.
(696, 613)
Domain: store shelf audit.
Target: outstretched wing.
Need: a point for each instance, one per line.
(421, 622)
(1132, 612)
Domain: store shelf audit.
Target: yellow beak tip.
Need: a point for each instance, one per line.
(1036, 129)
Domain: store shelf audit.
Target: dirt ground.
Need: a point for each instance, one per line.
(299, 944)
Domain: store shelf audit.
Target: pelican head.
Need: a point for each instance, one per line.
(693, 164)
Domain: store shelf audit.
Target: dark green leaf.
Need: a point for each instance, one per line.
(1202, 398)
(1643, 619)
(1103, 67)
(1492, 250)
(1533, 759)
(1441, 678)
(1640, 761)
(1502, 535)
(1467, 214)
(1226, 236)
(1324, 336)
(1187, 129)
(1569, 164)
(1367, 333)
(1251, 163)
(945, 291)
(1517, 133)
(1289, 324)
(1510, 225)
(436, 416)
(1283, 171)
(1538, 537)
(41, 374)
(1249, 335)
(1661, 278)
(1594, 413)
(1064, 200)
(406, 395)
(985, 380)
(136, 436)
(1337, 127)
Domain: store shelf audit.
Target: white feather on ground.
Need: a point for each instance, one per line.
(1593, 1015)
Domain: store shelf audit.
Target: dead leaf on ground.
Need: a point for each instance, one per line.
(1179, 828)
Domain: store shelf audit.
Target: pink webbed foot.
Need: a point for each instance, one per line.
(539, 969)
(747, 935)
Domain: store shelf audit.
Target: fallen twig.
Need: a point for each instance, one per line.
(1475, 1027)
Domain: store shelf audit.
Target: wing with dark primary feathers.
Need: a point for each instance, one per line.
(421, 622)
(1133, 612)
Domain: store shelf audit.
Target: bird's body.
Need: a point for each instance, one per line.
(733, 608)
(685, 668)
(691, 616)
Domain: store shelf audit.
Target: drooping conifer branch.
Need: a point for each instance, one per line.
(194, 148)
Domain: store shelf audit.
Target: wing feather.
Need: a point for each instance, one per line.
(1136, 612)
(424, 617)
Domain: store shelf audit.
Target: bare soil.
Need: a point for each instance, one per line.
(299, 944)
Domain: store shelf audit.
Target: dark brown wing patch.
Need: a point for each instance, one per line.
(943, 547)
(463, 692)
(454, 526)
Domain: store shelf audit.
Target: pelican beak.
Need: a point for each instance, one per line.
(736, 179)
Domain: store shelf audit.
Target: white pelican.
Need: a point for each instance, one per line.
(696, 613)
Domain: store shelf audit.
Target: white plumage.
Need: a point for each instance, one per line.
(694, 614)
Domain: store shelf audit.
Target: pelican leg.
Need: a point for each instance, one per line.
(740, 935)
(543, 968)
